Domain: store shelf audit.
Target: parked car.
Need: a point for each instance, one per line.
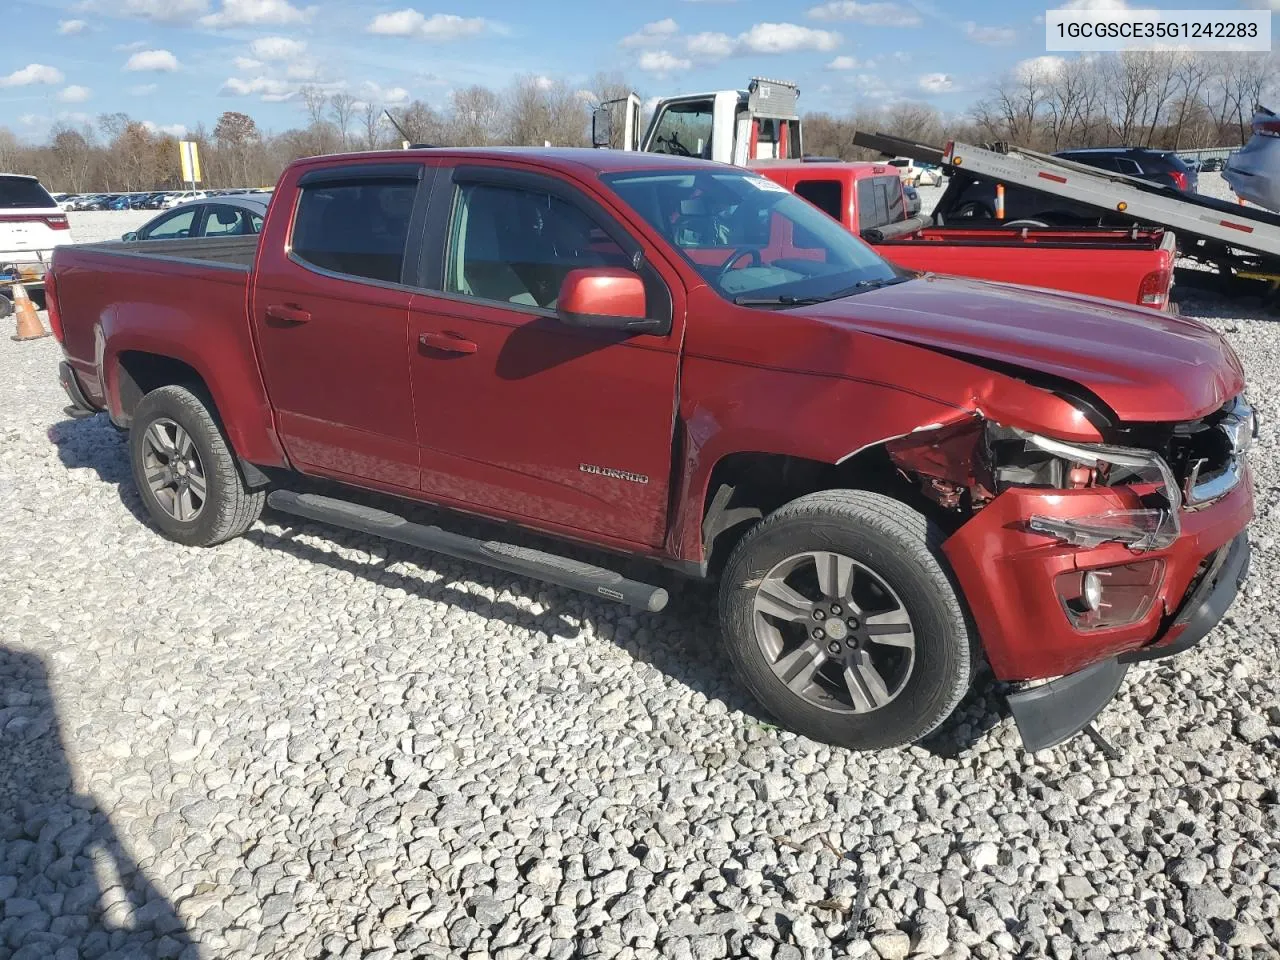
(916, 173)
(1134, 267)
(968, 197)
(889, 474)
(183, 196)
(912, 197)
(219, 216)
(1158, 166)
(31, 226)
(1211, 165)
(1253, 171)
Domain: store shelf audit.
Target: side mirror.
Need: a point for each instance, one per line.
(601, 126)
(605, 298)
(131, 236)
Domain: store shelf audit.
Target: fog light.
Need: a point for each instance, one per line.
(1109, 596)
(1091, 591)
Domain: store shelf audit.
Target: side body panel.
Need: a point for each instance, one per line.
(194, 312)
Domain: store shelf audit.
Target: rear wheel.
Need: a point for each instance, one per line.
(6, 307)
(840, 618)
(185, 471)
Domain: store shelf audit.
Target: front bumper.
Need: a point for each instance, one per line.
(1007, 573)
(1055, 711)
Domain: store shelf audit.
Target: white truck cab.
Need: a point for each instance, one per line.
(731, 126)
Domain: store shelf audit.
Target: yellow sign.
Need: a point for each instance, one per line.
(189, 151)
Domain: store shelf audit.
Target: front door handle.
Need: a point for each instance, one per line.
(288, 312)
(446, 343)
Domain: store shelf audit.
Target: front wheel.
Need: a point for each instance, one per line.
(840, 618)
(185, 471)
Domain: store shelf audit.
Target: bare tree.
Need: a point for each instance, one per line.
(372, 121)
(476, 117)
(541, 111)
(342, 108)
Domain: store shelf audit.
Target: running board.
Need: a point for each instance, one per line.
(522, 561)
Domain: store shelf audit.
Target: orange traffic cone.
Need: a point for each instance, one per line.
(29, 326)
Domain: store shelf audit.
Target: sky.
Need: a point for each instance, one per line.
(176, 63)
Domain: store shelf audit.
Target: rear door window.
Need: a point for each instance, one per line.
(826, 195)
(879, 202)
(1128, 167)
(355, 229)
(223, 220)
(20, 192)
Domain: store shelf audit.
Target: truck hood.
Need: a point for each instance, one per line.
(1146, 366)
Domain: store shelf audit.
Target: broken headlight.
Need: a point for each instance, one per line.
(1019, 458)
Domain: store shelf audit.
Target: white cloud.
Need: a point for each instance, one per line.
(32, 73)
(388, 96)
(901, 56)
(762, 38)
(128, 47)
(75, 94)
(543, 82)
(172, 129)
(437, 27)
(277, 48)
(68, 27)
(158, 11)
(651, 34)
(160, 60)
(990, 36)
(936, 83)
(248, 64)
(240, 13)
(786, 38)
(844, 63)
(871, 14)
(144, 89)
(302, 71)
(1042, 67)
(269, 89)
(661, 62)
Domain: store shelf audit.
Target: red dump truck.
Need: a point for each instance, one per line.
(1132, 265)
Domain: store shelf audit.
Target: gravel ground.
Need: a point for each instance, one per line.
(312, 744)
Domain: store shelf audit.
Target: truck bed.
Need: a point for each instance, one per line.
(233, 252)
(1126, 265)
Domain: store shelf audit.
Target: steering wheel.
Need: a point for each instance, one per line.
(738, 254)
(678, 148)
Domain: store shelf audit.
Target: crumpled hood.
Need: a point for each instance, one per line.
(1146, 366)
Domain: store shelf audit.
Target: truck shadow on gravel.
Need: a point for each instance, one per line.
(694, 659)
(68, 888)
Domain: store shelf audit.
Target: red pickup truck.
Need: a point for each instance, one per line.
(891, 476)
(1132, 266)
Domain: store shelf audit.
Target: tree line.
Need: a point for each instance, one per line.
(1169, 100)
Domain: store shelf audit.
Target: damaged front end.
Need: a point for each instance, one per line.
(1076, 558)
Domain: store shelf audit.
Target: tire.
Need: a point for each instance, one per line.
(974, 211)
(897, 568)
(6, 307)
(227, 508)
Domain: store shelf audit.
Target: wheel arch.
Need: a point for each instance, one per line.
(745, 487)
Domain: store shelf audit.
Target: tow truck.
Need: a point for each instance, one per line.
(1240, 241)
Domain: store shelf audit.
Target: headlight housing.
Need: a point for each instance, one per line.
(1021, 458)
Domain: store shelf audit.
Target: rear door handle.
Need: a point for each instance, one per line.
(447, 343)
(288, 312)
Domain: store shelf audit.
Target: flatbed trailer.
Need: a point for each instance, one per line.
(1241, 240)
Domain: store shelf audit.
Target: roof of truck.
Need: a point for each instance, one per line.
(602, 161)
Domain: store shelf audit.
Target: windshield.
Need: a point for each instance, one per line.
(751, 238)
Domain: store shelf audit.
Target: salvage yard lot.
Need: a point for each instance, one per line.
(309, 743)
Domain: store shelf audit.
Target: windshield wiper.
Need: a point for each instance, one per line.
(785, 300)
(877, 284)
